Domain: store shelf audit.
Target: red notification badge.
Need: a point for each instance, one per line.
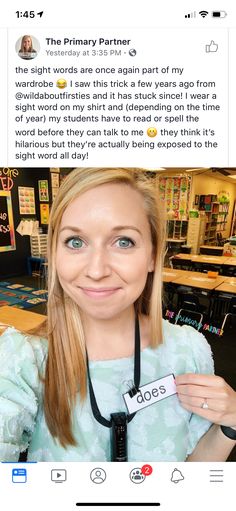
(146, 470)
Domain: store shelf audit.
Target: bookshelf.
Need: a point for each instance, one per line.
(210, 205)
(216, 217)
(177, 229)
(222, 217)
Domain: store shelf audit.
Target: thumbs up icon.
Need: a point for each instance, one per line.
(212, 47)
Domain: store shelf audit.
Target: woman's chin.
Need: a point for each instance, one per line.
(105, 313)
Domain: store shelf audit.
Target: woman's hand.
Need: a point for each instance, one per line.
(208, 396)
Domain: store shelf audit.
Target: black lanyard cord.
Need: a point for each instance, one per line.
(96, 412)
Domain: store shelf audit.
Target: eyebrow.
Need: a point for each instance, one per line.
(117, 228)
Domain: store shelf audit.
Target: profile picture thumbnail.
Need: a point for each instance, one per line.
(27, 47)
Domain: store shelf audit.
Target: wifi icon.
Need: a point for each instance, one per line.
(203, 14)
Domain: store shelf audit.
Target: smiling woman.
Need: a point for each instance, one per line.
(26, 50)
(105, 251)
(108, 354)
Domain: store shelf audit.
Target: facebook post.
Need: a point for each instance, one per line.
(118, 252)
(91, 97)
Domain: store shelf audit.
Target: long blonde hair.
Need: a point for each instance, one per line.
(22, 49)
(66, 371)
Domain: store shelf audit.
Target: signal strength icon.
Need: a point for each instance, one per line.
(190, 15)
(203, 14)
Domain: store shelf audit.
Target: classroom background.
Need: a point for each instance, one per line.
(199, 273)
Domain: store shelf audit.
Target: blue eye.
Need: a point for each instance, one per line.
(125, 243)
(74, 243)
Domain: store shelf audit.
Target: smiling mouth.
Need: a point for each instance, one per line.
(100, 292)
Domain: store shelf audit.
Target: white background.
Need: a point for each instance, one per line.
(186, 44)
(195, 492)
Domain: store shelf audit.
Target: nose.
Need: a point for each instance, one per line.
(98, 265)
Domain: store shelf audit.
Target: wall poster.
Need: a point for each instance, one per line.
(175, 192)
(44, 214)
(26, 200)
(43, 190)
(7, 233)
(55, 180)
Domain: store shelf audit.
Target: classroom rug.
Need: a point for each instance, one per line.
(22, 297)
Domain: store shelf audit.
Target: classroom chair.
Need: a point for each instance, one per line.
(189, 317)
(231, 311)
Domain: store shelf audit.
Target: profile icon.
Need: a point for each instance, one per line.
(98, 475)
(27, 47)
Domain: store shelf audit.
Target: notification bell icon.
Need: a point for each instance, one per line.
(176, 476)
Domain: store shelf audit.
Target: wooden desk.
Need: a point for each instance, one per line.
(20, 319)
(168, 275)
(212, 247)
(176, 240)
(203, 258)
(231, 261)
(229, 280)
(199, 280)
(211, 250)
(228, 286)
(187, 257)
(208, 259)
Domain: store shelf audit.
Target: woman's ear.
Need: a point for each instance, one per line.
(151, 265)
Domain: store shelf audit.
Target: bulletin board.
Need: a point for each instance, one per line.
(175, 191)
(7, 233)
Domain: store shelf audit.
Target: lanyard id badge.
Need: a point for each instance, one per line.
(135, 399)
(118, 421)
(150, 393)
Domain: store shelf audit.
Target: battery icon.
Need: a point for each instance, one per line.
(219, 14)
